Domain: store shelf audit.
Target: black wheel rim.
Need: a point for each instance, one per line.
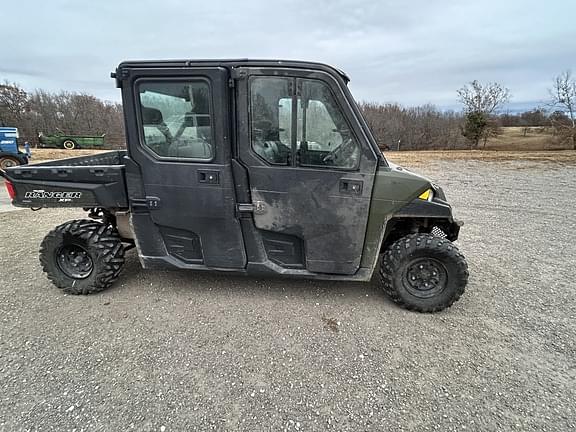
(425, 277)
(74, 261)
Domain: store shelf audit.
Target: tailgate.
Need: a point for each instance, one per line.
(68, 183)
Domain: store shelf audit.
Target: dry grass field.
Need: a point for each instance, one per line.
(525, 139)
(44, 154)
(418, 158)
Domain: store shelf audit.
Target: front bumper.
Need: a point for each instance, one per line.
(453, 229)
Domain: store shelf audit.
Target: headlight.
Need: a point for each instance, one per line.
(427, 195)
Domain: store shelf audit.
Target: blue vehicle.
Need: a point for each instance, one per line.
(10, 155)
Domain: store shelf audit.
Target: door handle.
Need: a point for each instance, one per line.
(351, 187)
(208, 177)
(257, 207)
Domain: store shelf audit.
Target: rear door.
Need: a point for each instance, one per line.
(185, 210)
(310, 168)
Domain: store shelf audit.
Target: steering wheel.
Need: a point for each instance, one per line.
(338, 150)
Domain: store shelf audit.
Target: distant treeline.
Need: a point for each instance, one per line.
(408, 128)
(69, 113)
(394, 126)
(426, 127)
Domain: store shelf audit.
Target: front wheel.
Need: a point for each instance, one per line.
(423, 273)
(82, 256)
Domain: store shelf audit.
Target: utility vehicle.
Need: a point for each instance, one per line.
(246, 166)
(10, 155)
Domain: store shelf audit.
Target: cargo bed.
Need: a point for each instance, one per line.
(85, 181)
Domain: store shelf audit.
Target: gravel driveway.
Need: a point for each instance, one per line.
(5, 204)
(174, 351)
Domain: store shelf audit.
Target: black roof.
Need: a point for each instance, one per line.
(232, 63)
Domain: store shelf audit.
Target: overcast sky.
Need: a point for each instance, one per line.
(412, 52)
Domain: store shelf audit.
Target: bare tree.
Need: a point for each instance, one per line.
(13, 104)
(480, 102)
(479, 98)
(563, 96)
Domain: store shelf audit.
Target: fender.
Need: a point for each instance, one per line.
(395, 198)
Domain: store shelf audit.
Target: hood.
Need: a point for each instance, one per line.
(399, 168)
(394, 186)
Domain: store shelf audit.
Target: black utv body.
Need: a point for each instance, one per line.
(255, 167)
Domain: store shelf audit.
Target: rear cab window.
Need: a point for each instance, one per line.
(176, 119)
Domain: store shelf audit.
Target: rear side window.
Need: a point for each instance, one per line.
(176, 119)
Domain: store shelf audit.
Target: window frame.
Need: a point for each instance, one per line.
(291, 83)
(295, 81)
(356, 167)
(140, 125)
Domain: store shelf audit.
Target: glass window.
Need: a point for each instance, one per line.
(176, 119)
(271, 118)
(323, 138)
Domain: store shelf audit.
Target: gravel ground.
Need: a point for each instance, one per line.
(167, 351)
(5, 203)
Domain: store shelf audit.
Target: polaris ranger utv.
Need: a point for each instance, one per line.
(254, 167)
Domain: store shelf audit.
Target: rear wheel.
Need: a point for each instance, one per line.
(423, 273)
(82, 256)
(69, 145)
(8, 161)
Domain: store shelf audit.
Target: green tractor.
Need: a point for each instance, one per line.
(71, 142)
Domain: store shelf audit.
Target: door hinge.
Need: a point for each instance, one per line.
(152, 202)
(238, 73)
(231, 83)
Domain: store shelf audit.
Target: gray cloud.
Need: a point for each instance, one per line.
(410, 52)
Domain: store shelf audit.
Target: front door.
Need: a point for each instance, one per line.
(310, 168)
(185, 214)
